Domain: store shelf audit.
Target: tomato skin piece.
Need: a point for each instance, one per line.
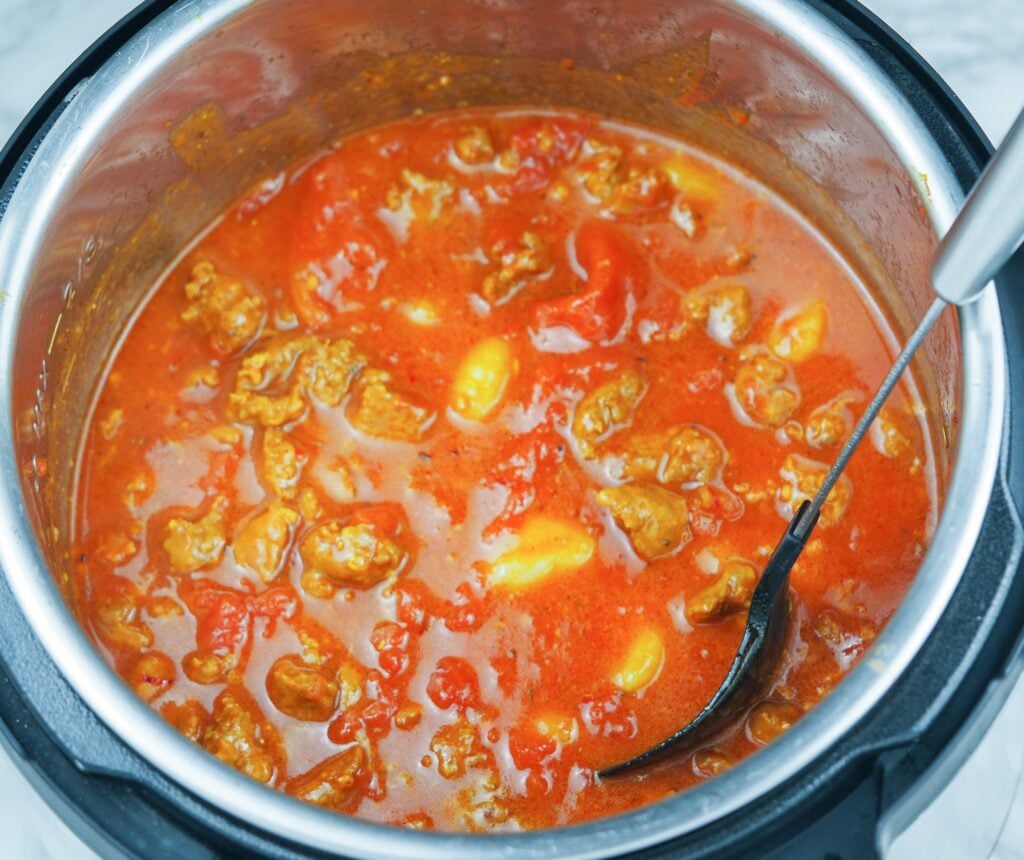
(222, 616)
(542, 145)
(453, 684)
(345, 728)
(529, 748)
(467, 617)
(337, 253)
(416, 604)
(613, 268)
(551, 139)
(372, 716)
(388, 635)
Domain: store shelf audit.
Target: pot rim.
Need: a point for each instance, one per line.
(64, 149)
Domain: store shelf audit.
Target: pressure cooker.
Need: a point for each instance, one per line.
(101, 186)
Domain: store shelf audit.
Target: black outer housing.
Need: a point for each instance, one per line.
(123, 807)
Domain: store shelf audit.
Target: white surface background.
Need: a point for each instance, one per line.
(976, 45)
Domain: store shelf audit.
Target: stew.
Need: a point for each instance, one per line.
(438, 473)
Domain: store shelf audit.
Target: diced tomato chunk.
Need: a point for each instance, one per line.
(222, 616)
(377, 715)
(538, 783)
(373, 715)
(416, 604)
(391, 642)
(337, 252)
(388, 635)
(529, 460)
(453, 684)
(393, 661)
(613, 269)
(345, 728)
(542, 145)
(508, 673)
(529, 748)
(467, 617)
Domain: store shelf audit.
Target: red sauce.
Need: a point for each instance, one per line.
(437, 474)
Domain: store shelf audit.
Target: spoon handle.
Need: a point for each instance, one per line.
(802, 525)
(989, 227)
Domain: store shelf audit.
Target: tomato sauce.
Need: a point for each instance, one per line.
(436, 475)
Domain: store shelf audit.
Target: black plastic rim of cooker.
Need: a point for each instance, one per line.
(924, 727)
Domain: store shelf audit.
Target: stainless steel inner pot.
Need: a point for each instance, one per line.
(216, 94)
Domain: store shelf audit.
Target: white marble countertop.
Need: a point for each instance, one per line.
(976, 45)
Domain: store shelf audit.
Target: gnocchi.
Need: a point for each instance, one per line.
(482, 379)
(642, 664)
(545, 546)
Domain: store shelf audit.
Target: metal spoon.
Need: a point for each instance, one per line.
(984, 235)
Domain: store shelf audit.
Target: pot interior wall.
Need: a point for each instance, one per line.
(277, 81)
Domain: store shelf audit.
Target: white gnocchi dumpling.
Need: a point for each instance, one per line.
(545, 546)
(482, 378)
(643, 662)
